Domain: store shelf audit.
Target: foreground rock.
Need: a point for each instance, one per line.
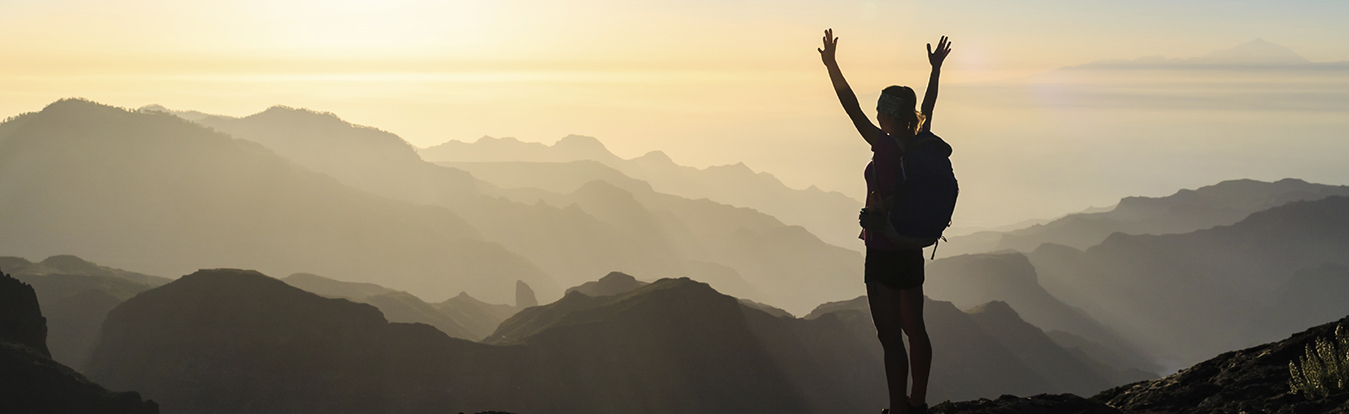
(1251, 380)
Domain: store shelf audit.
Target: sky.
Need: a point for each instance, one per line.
(721, 82)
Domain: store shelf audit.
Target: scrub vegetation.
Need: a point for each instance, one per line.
(1324, 369)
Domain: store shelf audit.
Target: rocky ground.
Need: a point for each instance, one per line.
(1252, 380)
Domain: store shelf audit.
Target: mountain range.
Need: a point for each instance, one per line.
(1185, 211)
(154, 192)
(1079, 304)
(507, 162)
(1186, 297)
(673, 345)
(597, 226)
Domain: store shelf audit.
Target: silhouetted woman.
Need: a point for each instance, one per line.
(894, 276)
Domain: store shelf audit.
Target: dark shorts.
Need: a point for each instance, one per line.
(898, 269)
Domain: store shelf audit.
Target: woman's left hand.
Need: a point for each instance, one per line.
(936, 57)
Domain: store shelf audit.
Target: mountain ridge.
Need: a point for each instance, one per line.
(155, 192)
(827, 214)
(1186, 210)
(599, 226)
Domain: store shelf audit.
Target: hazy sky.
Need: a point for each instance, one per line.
(709, 82)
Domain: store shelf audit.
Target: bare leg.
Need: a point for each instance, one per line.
(886, 314)
(920, 348)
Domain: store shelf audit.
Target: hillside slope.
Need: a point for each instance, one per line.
(1248, 380)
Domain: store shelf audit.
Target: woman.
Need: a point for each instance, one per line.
(894, 276)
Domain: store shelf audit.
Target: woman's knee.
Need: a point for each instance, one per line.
(891, 339)
(915, 331)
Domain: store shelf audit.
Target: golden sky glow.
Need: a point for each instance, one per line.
(709, 82)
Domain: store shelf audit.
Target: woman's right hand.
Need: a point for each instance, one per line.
(830, 44)
(937, 57)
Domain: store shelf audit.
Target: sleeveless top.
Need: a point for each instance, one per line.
(881, 182)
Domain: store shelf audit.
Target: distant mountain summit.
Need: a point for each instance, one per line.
(612, 284)
(1257, 53)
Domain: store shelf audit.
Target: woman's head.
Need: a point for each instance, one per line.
(895, 110)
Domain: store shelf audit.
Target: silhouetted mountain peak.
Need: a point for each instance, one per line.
(611, 284)
(524, 295)
(580, 143)
(237, 283)
(253, 301)
(655, 158)
(995, 309)
(487, 139)
(71, 264)
(578, 308)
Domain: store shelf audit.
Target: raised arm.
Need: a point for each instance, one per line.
(930, 97)
(845, 93)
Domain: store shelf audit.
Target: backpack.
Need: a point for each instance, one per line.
(920, 208)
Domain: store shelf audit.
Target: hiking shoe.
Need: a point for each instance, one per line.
(919, 409)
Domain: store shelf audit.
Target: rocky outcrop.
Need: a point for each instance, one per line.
(30, 381)
(1250, 380)
(21, 320)
(524, 295)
